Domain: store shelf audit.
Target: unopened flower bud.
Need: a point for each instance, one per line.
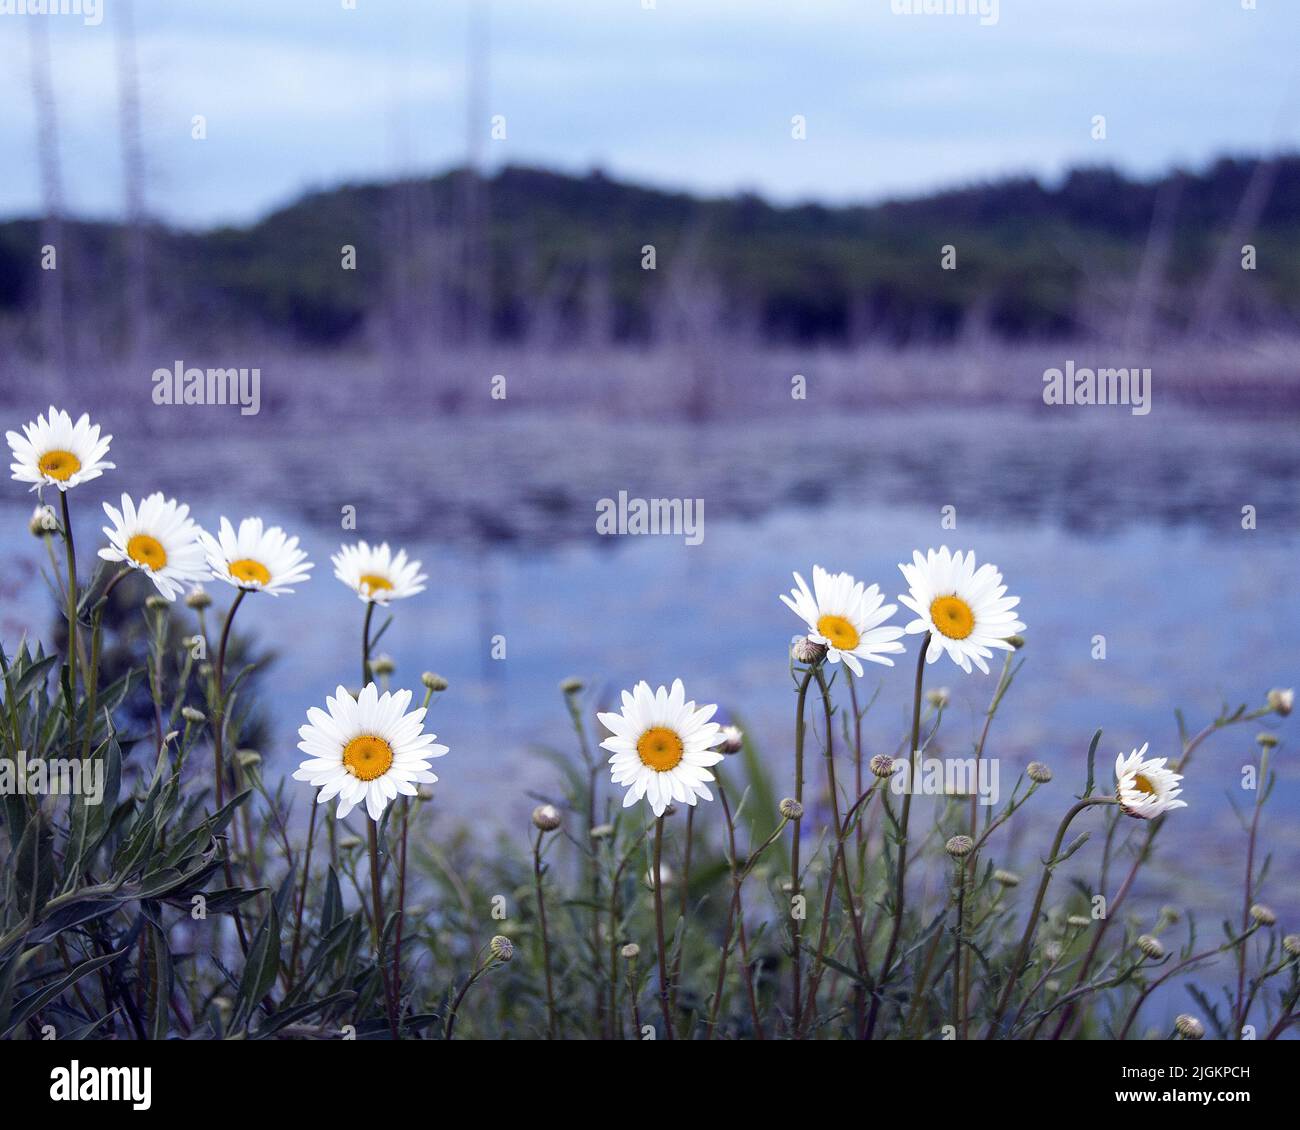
(1082, 921)
(939, 697)
(547, 817)
(1039, 772)
(1006, 878)
(42, 522)
(791, 809)
(959, 847)
(631, 951)
(1281, 700)
(383, 665)
(733, 740)
(503, 949)
(1189, 1027)
(1266, 740)
(195, 717)
(572, 686)
(198, 599)
(1052, 950)
(882, 765)
(156, 602)
(1150, 947)
(1291, 943)
(803, 650)
(433, 682)
(349, 843)
(248, 758)
(602, 831)
(1016, 642)
(1263, 914)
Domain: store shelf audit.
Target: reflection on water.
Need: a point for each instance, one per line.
(1108, 526)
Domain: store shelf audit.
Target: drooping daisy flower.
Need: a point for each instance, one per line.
(375, 574)
(845, 617)
(366, 749)
(965, 610)
(56, 452)
(159, 538)
(256, 559)
(662, 746)
(1144, 786)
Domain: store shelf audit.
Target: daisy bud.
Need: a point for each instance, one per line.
(196, 717)
(938, 698)
(1052, 950)
(1189, 1027)
(631, 951)
(959, 847)
(733, 740)
(156, 603)
(546, 817)
(42, 522)
(1291, 943)
(503, 949)
(1039, 772)
(1150, 947)
(1017, 642)
(248, 758)
(383, 665)
(1263, 915)
(349, 843)
(1006, 878)
(1266, 740)
(433, 682)
(791, 809)
(602, 831)
(882, 765)
(1080, 920)
(1281, 700)
(803, 650)
(572, 686)
(198, 599)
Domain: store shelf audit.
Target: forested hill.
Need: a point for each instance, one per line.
(566, 259)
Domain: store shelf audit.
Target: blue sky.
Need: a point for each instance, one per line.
(697, 94)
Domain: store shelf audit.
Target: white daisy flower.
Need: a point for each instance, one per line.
(375, 575)
(662, 746)
(56, 452)
(965, 610)
(845, 617)
(159, 538)
(256, 559)
(366, 749)
(1145, 787)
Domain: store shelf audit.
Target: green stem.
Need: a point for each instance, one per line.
(73, 643)
(377, 925)
(900, 880)
(796, 927)
(1022, 954)
(659, 928)
(551, 1024)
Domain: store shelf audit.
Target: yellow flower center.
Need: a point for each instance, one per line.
(843, 635)
(373, 582)
(660, 748)
(146, 551)
(1143, 784)
(367, 757)
(60, 465)
(952, 617)
(246, 569)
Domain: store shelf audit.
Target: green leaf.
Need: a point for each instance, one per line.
(32, 1004)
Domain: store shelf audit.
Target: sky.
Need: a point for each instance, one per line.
(692, 94)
